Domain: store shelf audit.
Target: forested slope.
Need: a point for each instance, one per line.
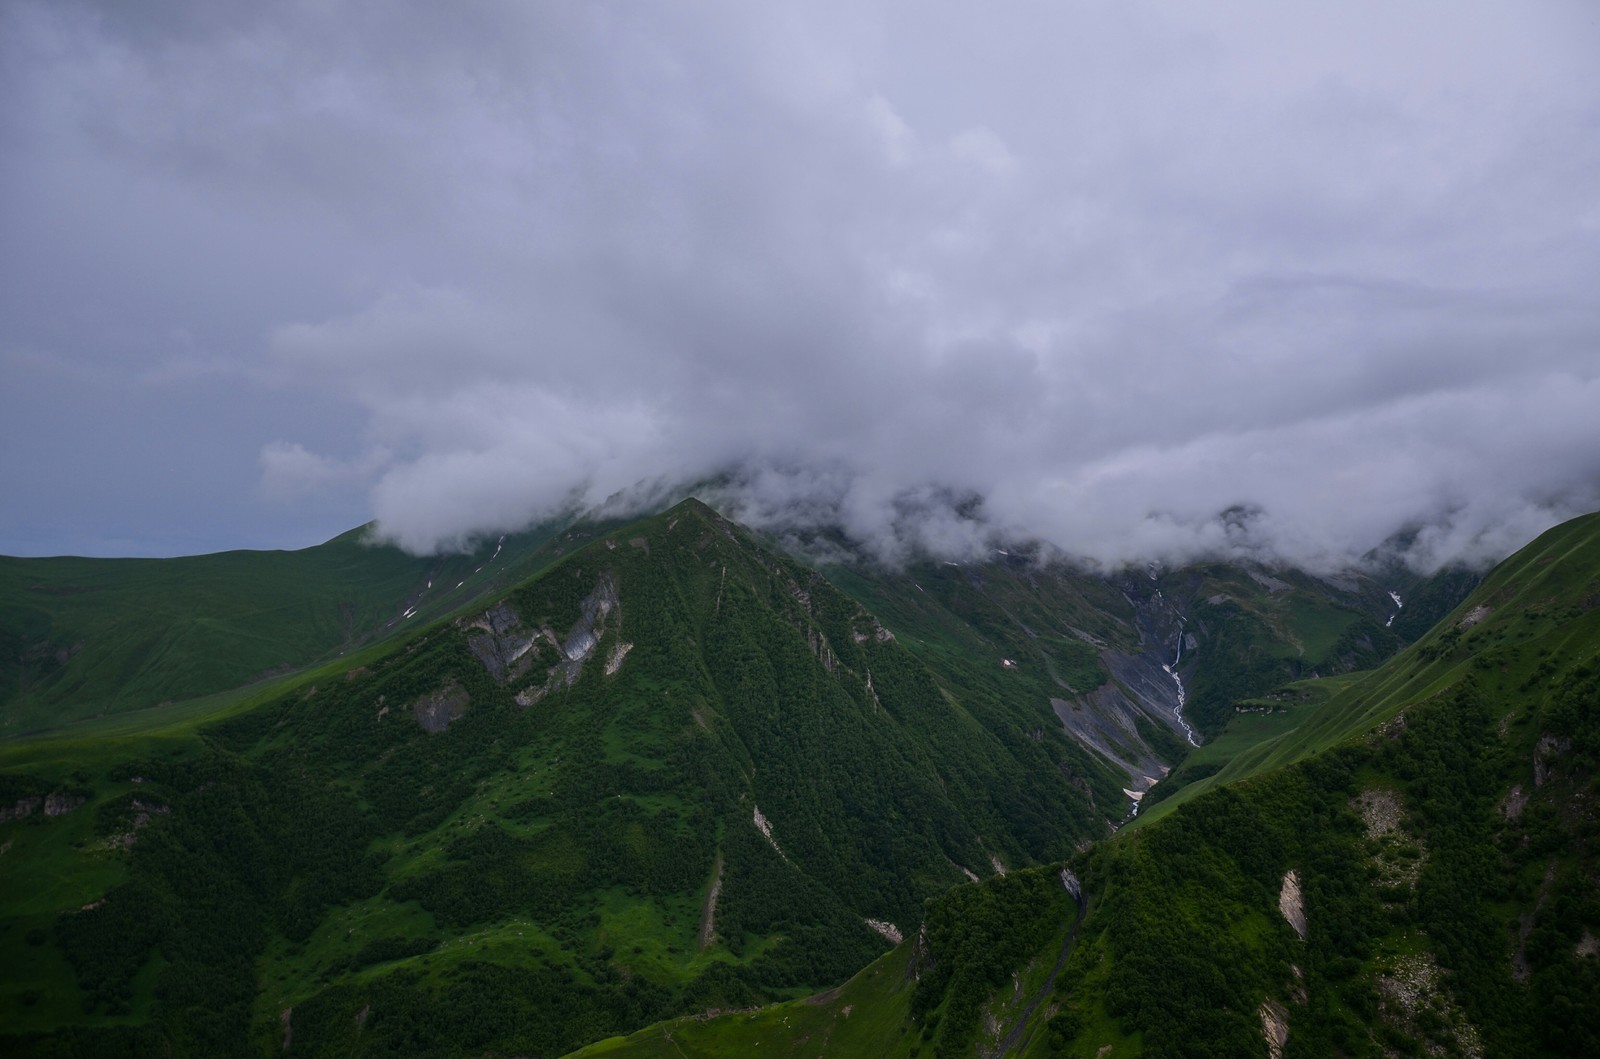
(675, 771)
(1415, 874)
(85, 637)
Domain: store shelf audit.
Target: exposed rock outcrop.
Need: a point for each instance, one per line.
(24, 807)
(54, 804)
(765, 827)
(436, 710)
(708, 913)
(1106, 719)
(1274, 1027)
(504, 644)
(1380, 811)
(1413, 991)
(618, 653)
(1291, 904)
(890, 932)
(1549, 749)
(60, 803)
(1398, 857)
(1514, 802)
(514, 650)
(143, 811)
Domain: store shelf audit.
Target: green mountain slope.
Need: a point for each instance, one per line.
(85, 637)
(1525, 613)
(1409, 869)
(675, 771)
(1103, 651)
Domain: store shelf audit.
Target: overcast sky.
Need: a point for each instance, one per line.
(270, 270)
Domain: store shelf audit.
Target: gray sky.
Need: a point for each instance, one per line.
(270, 270)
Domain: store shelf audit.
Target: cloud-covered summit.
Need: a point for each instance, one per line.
(1113, 270)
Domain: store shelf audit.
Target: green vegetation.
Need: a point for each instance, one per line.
(865, 1016)
(676, 773)
(1440, 816)
(1256, 721)
(1259, 631)
(927, 997)
(503, 833)
(82, 638)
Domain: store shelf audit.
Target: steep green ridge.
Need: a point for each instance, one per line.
(1441, 818)
(83, 637)
(1526, 608)
(1256, 721)
(1258, 629)
(1100, 648)
(1253, 629)
(674, 771)
(962, 616)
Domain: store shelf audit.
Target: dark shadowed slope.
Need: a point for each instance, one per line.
(499, 835)
(1410, 871)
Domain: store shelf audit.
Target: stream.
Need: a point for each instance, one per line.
(1177, 711)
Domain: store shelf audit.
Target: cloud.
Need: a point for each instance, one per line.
(289, 470)
(1092, 274)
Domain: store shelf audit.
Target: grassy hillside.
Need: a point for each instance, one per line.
(1102, 650)
(1398, 864)
(1244, 630)
(1529, 615)
(84, 637)
(673, 772)
(475, 811)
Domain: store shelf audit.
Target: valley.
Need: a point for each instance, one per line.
(671, 771)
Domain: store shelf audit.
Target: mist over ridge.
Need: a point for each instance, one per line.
(273, 273)
(834, 515)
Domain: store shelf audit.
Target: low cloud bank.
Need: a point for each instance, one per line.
(1138, 283)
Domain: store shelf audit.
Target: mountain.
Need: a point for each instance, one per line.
(83, 638)
(1406, 865)
(108, 638)
(591, 776)
(1140, 666)
(675, 770)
